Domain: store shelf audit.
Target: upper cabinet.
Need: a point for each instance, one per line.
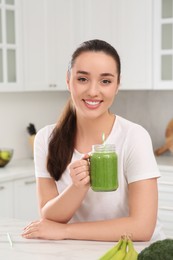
(34, 35)
(127, 25)
(134, 43)
(163, 44)
(47, 43)
(95, 20)
(37, 39)
(10, 45)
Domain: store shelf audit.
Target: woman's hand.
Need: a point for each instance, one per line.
(79, 172)
(44, 229)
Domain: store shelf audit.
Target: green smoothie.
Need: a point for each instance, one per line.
(104, 168)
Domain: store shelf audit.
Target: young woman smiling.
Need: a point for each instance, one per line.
(69, 208)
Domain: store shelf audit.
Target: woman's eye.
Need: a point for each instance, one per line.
(106, 81)
(82, 79)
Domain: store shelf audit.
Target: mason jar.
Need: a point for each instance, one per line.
(104, 167)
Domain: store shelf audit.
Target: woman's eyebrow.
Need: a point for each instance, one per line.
(102, 74)
(83, 72)
(107, 74)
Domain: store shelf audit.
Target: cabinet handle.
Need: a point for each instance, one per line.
(52, 85)
(30, 182)
(2, 187)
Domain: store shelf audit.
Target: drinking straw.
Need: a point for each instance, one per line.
(103, 138)
(9, 240)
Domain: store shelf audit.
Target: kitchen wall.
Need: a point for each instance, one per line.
(17, 110)
(152, 109)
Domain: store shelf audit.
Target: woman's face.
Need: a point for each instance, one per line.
(93, 83)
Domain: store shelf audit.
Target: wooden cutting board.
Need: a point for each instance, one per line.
(168, 146)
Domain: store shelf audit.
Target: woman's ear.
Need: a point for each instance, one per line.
(68, 80)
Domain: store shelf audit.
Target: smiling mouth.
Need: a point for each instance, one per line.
(92, 103)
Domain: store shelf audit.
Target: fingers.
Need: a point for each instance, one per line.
(33, 222)
(31, 233)
(79, 171)
(31, 230)
(86, 156)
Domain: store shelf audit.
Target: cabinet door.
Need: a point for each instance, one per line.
(6, 200)
(95, 20)
(25, 199)
(10, 45)
(134, 36)
(34, 32)
(165, 188)
(59, 42)
(166, 217)
(47, 43)
(127, 25)
(163, 44)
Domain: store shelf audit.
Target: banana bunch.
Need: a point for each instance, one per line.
(123, 250)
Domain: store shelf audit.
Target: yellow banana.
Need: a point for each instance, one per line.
(109, 254)
(131, 254)
(120, 254)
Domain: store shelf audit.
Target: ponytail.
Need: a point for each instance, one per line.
(62, 141)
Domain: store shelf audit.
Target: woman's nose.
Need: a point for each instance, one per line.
(93, 89)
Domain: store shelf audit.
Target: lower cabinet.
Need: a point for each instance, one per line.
(6, 199)
(25, 199)
(165, 187)
(18, 199)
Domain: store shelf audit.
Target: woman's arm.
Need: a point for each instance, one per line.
(62, 207)
(140, 223)
(143, 200)
(59, 208)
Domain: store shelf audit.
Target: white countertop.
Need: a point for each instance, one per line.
(24, 249)
(17, 169)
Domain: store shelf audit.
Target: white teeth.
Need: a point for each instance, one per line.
(92, 103)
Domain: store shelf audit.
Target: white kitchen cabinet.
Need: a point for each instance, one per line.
(134, 41)
(95, 20)
(34, 35)
(47, 43)
(163, 44)
(10, 46)
(18, 197)
(49, 31)
(25, 199)
(165, 187)
(127, 25)
(6, 199)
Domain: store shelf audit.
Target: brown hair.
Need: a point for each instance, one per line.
(62, 139)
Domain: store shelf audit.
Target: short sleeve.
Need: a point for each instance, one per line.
(41, 151)
(140, 162)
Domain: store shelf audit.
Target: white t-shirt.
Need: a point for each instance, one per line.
(136, 162)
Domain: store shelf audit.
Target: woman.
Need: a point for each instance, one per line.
(69, 208)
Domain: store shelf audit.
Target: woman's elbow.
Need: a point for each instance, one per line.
(44, 214)
(146, 236)
(144, 231)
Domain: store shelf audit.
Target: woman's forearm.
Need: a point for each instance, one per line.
(110, 230)
(62, 208)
